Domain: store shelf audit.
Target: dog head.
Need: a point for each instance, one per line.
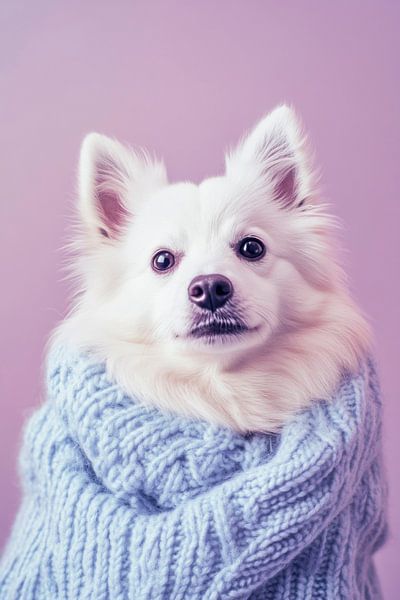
(209, 268)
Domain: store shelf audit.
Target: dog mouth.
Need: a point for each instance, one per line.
(215, 329)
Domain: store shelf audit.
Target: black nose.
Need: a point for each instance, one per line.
(210, 291)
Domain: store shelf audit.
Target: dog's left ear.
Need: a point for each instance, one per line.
(112, 180)
(275, 152)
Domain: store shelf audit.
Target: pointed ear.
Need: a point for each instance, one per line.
(111, 176)
(274, 151)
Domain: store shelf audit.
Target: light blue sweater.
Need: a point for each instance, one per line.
(121, 501)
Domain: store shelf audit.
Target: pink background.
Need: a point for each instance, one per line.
(185, 78)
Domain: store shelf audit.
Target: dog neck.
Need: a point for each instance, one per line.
(256, 390)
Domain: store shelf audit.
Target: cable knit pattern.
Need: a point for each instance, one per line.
(124, 502)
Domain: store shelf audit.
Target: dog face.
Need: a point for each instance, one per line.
(212, 268)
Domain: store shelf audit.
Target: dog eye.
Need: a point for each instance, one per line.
(251, 248)
(163, 260)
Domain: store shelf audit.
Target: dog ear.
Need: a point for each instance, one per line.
(111, 176)
(275, 151)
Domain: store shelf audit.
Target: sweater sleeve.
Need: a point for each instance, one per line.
(222, 543)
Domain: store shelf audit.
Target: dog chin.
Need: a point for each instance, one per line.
(217, 339)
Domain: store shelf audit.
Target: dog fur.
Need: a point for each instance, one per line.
(304, 329)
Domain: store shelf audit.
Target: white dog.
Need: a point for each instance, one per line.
(222, 301)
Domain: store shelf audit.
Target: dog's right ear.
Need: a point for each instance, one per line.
(111, 179)
(275, 153)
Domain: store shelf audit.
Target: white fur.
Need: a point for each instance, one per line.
(307, 328)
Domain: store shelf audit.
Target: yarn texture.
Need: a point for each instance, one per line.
(124, 502)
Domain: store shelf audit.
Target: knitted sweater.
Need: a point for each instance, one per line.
(124, 502)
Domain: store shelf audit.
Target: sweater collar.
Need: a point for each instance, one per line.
(138, 452)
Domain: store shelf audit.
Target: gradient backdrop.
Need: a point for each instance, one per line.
(185, 78)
